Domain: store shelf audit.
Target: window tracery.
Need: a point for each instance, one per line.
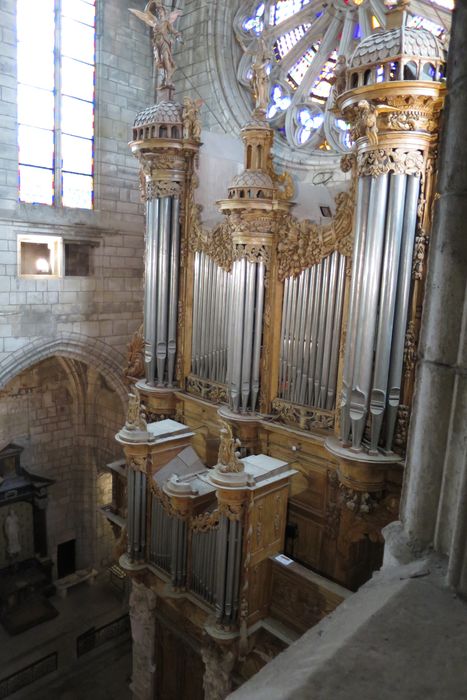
(306, 39)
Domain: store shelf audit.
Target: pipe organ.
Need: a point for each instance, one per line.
(300, 338)
(310, 331)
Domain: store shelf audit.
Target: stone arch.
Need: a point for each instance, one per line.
(92, 351)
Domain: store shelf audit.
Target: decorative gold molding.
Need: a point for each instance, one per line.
(390, 160)
(253, 253)
(135, 356)
(232, 511)
(304, 243)
(205, 521)
(207, 389)
(303, 417)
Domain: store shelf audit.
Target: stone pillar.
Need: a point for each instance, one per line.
(218, 664)
(143, 631)
(435, 489)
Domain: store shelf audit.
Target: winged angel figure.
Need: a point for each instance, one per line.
(161, 21)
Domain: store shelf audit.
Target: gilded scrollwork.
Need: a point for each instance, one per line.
(205, 521)
(410, 349)
(216, 244)
(301, 416)
(232, 511)
(381, 161)
(163, 188)
(304, 243)
(135, 356)
(253, 253)
(207, 389)
(402, 427)
(137, 463)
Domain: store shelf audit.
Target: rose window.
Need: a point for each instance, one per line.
(305, 39)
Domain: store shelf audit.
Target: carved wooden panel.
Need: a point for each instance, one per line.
(259, 582)
(301, 598)
(267, 522)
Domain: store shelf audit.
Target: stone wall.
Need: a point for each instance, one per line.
(108, 303)
(66, 418)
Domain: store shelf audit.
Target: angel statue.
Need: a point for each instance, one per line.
(161, 21)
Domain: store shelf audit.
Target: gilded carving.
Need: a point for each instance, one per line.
(232, 511)
(402, 426)
(390, 160)
(135, 355)
(303, 244)
(207, 389)
(410, 349)
(359, 502)
(228, 458)
(138, 463)
(301, 416)
(163, 188)
(253, 253)
(217, 244)
(205, 521)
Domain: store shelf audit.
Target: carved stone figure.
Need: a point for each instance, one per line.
(260, 78)
(338, 79)
(161, 21)
(11, 528)
(191, 121)
(228, 460)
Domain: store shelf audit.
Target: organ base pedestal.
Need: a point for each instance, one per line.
(360, 471)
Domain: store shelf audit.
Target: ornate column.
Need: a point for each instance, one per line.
(254, 206)
(394, 127)
(166, 139)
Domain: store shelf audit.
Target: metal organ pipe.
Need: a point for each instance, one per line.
(387, 303)
(173, 290)
(368, 309)
(161, 289)
(311, 321)
(361, 228)
(150, 311)
(402, 305)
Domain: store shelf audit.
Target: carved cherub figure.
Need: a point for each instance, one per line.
(161, 21)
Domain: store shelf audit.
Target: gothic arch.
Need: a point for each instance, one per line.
(92, 351)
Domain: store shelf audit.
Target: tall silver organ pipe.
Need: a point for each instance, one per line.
(311, 322)
(229, 553)
(211, 319)
(161, 544)
(244, 348)
(136, 517)
(385, 229)
(204, 564)
(161, 289)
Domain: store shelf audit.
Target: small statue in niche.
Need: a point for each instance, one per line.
(11, 529)
(134, 419)
(161, 21)
(228, 458)
(190, 118)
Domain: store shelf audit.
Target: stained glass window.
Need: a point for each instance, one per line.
(56, 101)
